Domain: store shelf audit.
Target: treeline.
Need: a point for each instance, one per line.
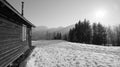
(113, 35)
(95, 33)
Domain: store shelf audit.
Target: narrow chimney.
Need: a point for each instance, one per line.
(22, 13)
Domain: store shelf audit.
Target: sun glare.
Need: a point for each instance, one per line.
(100, 14)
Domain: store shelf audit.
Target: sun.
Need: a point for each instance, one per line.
(100, 14)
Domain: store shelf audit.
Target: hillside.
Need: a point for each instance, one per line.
(57, 53)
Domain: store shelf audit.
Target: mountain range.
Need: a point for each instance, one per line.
(43, 32)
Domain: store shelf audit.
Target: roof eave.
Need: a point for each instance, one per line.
(15, 11)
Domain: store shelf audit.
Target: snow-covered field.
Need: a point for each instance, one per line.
(67, 54)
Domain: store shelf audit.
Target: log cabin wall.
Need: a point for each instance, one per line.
(11, 44)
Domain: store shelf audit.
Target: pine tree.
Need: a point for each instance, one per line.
(65, 37)
(81, 33)
(57, 36)
(94, 37)
(70, 35)
(99, 34)
(117, 29)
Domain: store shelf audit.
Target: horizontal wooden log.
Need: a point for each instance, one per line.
(8, 52)
(9, 40)
(12, 57)
(2, 38)
(10, 27)
(10, 30)
(9, 46)
(4, 35)
(4, 44)
(10, 33)
(5, 22)
(11, 43)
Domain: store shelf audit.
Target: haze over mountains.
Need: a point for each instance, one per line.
(43, 32)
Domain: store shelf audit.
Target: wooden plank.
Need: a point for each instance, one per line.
(5, 54)
(8, 23)
(4, 44)
(2, 37)
(13, 57)
(7, 51)
(8, 40)
(10, 30)
(10, 27)
(7, 26)
(9, 37)
(9, 46)
(9, 54)
(10, 33)
(13, 31)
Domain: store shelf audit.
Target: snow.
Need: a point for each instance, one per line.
(67, 54)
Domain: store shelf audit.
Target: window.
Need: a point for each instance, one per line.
(24, 32)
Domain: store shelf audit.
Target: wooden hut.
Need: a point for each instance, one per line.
(15, 34)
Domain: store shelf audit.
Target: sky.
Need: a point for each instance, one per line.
(61, 13)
